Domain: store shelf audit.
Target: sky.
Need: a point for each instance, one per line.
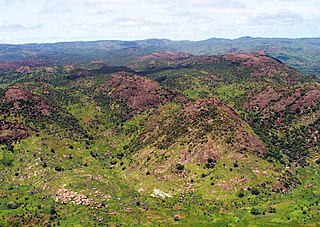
(39, 21)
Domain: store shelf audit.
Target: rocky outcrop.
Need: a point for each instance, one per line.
(165, 56)
(66, 196)
(139, 92)
(10, 132)
(16, 98)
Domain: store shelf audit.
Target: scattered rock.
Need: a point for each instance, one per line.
(12, 205)
(176, 217)
(66, 196)
(160, 194)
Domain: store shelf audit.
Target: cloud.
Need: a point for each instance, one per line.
(179, 19)
(283, 17)
(12, 1)
(103, 12)
(55, 8)
(96, 2)
(5, 38)
(17, 27)
(133, 22)
(217, 3)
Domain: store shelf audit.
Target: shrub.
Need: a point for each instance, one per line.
(255, 191)
(180, 167)
(255, 211)
(114, 161)
(58, 168)
(271, 210)
(7, 161)
(53, 211)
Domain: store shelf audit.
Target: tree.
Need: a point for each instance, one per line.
(255, 191)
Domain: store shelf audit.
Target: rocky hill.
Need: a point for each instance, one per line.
(172, 138)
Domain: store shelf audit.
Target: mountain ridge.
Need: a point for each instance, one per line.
(300, 53)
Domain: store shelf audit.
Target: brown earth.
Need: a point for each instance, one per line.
(11, 132)
(16, 97)
(310, 99)
(263, 67)
(278, 101)
(261, 100)
(13, 65)
(165, 56)
(247, 138)
(140, 93)
(247, 58)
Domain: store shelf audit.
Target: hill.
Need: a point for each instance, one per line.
(301, 54)
(169, 138)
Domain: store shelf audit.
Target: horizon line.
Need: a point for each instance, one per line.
(172, 40)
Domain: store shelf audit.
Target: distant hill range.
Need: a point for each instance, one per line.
(302, 54)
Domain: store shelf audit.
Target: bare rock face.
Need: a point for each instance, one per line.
(69, 68)
(140, 93)
(193, 109)
(16, 98)
(165, 56)
(310, 99)
(278, 101)
(16, 94)
(265, 67)
(66, 196)
(10, 132)
(24, 69)
(21, 66)
(261, 100)
(247, 58)
(249, 140)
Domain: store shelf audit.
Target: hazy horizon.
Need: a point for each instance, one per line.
(44, 21)
(133, 40)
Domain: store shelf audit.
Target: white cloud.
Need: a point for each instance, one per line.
(282, 17)
(4, 26)
(216, 3)
(180, 19)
